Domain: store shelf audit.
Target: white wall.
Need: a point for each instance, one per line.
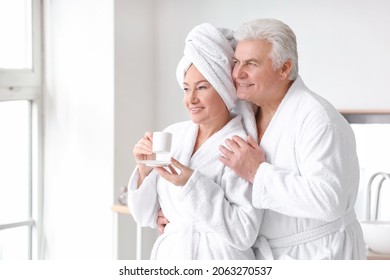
(78, 129)
(134, 103)
(343, 46)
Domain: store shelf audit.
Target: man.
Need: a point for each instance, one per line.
(304, 169)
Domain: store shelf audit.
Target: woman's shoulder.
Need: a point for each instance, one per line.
(235, 127)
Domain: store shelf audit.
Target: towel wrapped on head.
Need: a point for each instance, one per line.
(211, 50)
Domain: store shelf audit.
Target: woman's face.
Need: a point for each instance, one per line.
(204, 104)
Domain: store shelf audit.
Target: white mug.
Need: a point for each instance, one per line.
(162, 142)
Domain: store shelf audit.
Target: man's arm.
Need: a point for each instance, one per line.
(161, 221)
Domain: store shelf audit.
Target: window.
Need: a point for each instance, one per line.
(19, 94)
(20, 46)
(15, 49)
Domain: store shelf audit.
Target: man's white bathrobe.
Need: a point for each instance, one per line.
(309, 182)
(212, 216)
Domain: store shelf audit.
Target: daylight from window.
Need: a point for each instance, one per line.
(14, 177)
(16, 35)
(16, 56)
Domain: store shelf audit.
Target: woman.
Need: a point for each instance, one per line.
(210, 218)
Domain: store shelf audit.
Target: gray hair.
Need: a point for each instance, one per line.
(279, 34)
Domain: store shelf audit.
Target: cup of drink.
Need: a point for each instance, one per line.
(162, 142)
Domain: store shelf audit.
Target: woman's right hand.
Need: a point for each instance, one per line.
(143, 151)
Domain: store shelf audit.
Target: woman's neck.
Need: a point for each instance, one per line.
(207, 130)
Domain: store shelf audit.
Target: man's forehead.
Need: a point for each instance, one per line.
(252, 49)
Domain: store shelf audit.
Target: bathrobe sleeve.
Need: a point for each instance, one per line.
(142, 202)
(225, 210)
(327, 167)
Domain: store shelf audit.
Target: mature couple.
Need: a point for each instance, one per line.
(271, 175)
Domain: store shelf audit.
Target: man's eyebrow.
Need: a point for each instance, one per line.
(248, 60)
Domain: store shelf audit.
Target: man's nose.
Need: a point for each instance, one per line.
(237, 72)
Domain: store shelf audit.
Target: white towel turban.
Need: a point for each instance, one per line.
(211, 50)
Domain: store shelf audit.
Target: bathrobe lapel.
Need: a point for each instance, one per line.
(281, 121)
(188, 143)
(209, 151)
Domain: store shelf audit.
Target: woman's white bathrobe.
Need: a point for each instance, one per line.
(211, 217)
(309, 183)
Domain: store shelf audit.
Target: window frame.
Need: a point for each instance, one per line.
(26, 84)
(23, 83)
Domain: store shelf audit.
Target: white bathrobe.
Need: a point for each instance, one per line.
(211, 217)
(309, 182)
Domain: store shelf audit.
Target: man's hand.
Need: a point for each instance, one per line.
(161, 221)
(242, 157)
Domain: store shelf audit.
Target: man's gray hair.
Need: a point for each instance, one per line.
(279, 34)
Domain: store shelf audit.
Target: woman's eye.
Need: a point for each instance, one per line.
(185, 89)
(202, 88)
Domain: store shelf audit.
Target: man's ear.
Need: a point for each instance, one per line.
(286, 69)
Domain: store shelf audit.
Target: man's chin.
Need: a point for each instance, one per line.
(242, 95)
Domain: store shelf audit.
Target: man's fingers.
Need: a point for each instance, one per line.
(226, 152)
(162, 221)
(252, 142)
(225, 161)
(160, 213)
(232, 145)
(239, 141)
(256, 146)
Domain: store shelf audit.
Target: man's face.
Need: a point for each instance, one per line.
(256, 79)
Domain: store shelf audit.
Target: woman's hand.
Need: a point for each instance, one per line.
(178, 179)
(143, 151)
(242, 157)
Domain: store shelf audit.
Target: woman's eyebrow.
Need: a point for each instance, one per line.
(197, 82)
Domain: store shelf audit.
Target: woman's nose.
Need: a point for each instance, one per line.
(192, 96)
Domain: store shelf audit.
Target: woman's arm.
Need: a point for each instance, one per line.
(142, 200)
